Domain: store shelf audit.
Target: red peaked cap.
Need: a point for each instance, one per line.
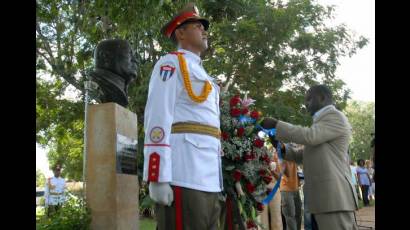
(188, 13)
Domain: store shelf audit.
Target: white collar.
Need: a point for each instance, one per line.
(316, 115)
(191, 55)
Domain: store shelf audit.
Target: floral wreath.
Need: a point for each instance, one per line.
(246, 159)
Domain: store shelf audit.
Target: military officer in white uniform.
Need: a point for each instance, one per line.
(182, 160)
(54, 191)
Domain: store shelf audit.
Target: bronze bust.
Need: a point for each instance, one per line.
(114, 68)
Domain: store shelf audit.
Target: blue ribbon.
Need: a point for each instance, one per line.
(244, 119)
(276, 187)
(270, 132)
(273, 192)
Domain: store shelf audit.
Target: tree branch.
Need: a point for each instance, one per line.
(57, 67)
(228, 83)
(45, 43)
(44, 56)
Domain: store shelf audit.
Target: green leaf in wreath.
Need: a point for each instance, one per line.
(240, 206)
(253, 213)
(243, 199)
(249, 130)
(230, 167)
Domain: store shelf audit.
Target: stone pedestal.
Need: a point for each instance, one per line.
(112, 196)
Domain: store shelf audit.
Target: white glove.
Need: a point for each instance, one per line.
(161, 193)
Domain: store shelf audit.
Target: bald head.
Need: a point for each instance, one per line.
(317, 97)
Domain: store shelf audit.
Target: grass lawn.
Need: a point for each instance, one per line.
(147, 224)
(361, 205)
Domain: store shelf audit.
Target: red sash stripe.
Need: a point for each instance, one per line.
(178, 207)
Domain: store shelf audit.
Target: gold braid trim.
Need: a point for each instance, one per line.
(187, 82)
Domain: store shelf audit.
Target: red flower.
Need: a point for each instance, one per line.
(250, 224)
(265, 158)
(225, 136)
(267, 179)
(262, 172)
(258, 143)
(235, 112)
(245, 111)
(237, 158)
(237, 175)
(255, 114)
(234, 101)
(259, 207)
(241, 131)
(248, 157)
(250, 188)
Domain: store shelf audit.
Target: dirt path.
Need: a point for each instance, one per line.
(366, 218)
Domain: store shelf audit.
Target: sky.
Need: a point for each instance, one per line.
(358, 71)
(42, 162)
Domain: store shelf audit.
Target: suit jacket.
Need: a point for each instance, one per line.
(327, 173)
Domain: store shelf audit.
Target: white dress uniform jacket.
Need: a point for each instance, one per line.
(184, 159)
(54, 191)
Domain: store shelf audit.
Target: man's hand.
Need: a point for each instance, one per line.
(161, 193)
(269, 123)
(281, 144)
(283, 149)
(273, 141)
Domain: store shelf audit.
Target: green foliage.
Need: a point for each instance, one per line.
(40, 212)
(40, 178)
(59, 126)
(273, 51)
(72, 215)
(146, 204)
(362, 118)
(147, 224)
(42, 201)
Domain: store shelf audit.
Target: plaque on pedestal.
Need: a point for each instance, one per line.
(126, 155)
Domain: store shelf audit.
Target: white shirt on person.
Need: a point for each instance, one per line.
(353, 170)
(54, 191)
